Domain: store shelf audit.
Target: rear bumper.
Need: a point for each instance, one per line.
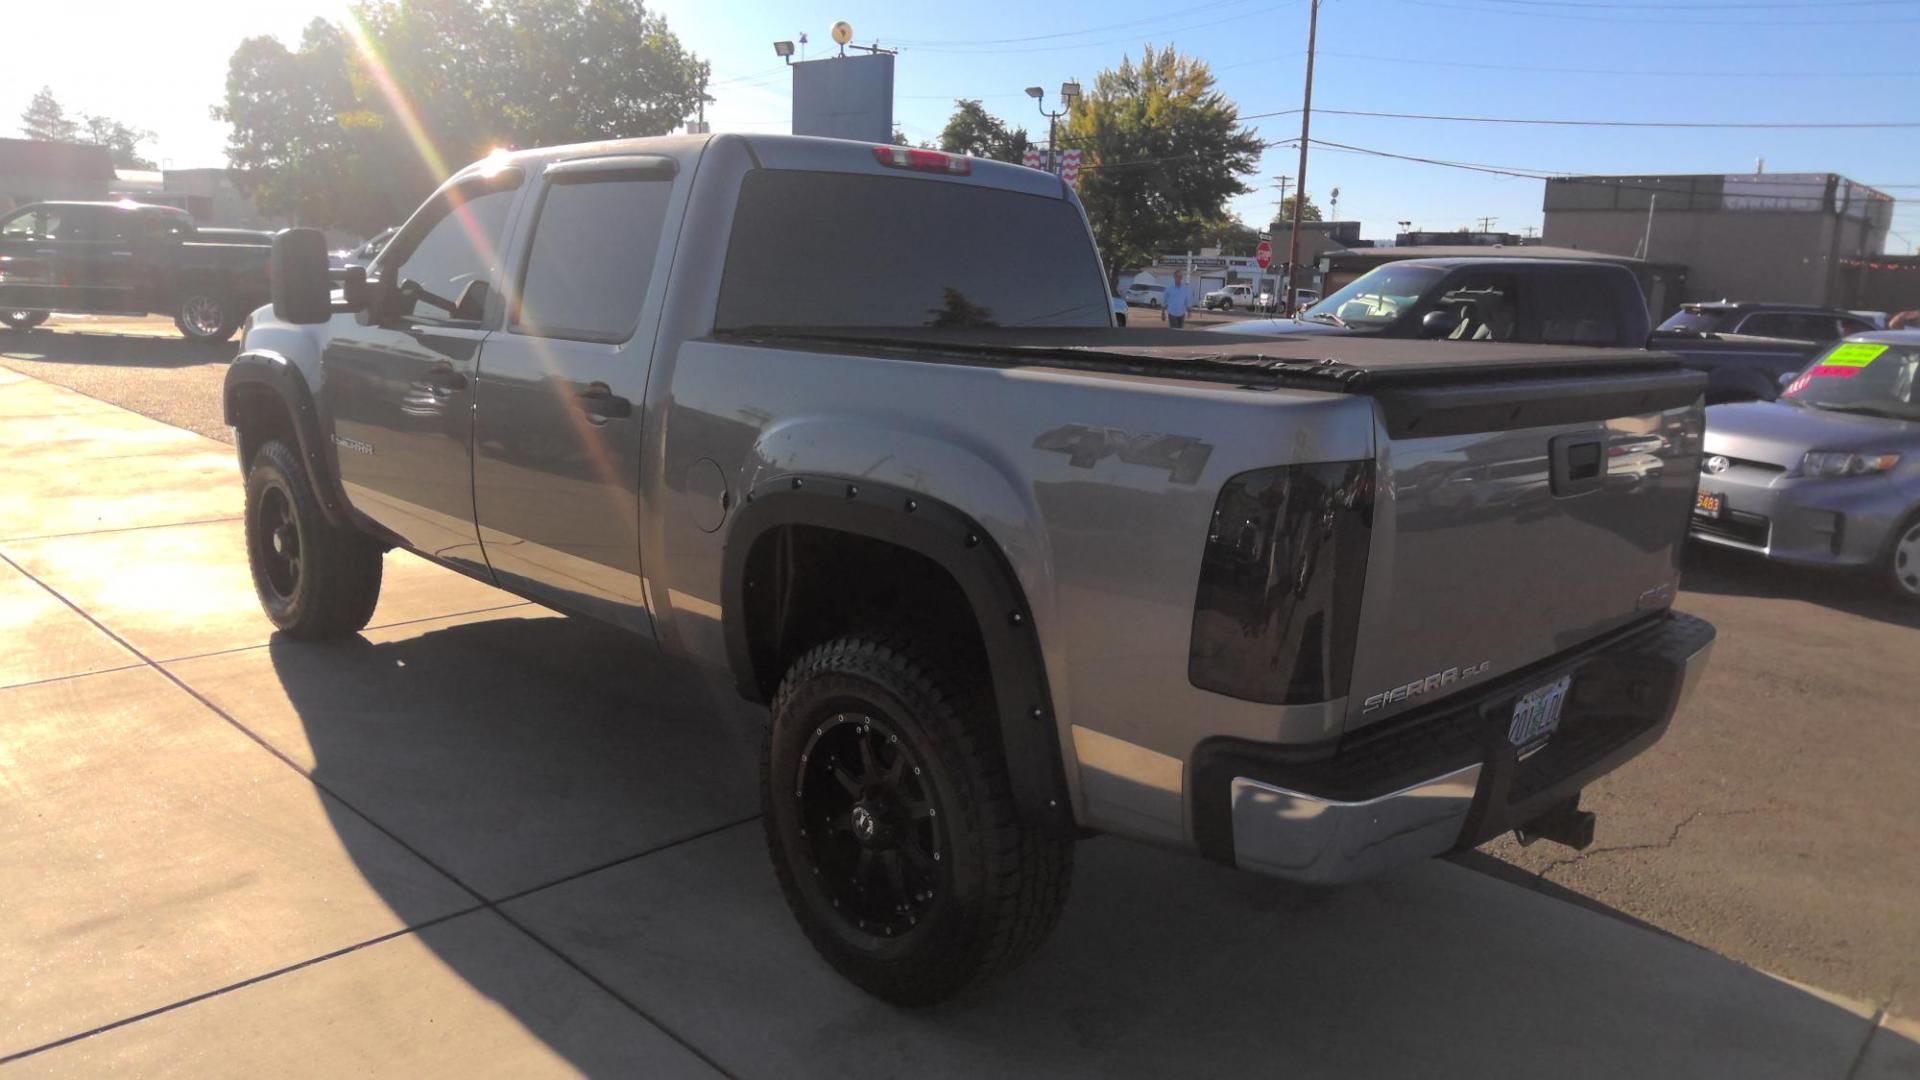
(1445, 777)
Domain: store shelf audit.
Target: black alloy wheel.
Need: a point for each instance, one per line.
(275, 536)
(891, 820)
(871, 824)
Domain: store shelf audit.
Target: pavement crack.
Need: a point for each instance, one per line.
(1673, 837)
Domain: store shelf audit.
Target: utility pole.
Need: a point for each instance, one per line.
(1486, 224)
(1306, 119)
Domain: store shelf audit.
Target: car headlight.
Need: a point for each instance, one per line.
(1828, 464)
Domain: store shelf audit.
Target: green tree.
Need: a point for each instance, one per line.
(46, 120)
(119, 139)
(304, 145)
(1166, 152)
(1232, 236)
(1308, 210)
(973, 130)
(439, 83)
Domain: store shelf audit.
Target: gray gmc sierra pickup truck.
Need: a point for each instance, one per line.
(849, 425)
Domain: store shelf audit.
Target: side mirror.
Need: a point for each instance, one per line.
(1786, 378)
(1438, 324)
(472, 305)
(302, 285)
(354, 294)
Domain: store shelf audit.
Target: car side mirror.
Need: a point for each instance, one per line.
(472, 305)
(1786, 378)
(354, 293)
(302, 285)
(1438, 324)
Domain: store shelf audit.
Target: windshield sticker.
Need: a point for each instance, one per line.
(1855, 355)
(1824, 371)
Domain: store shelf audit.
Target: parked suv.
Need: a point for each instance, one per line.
(1796, 322)
(1001, 573)
(128, 259)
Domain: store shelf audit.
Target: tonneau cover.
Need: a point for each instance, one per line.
(1346, 364)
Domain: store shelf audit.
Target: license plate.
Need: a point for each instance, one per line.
(1537, 713)
(1709, 503)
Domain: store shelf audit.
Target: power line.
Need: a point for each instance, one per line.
(1641, 73)
(999, 50)
(1767, 125)
(1733, 23)
(1588, 180)
(963, 42)
(1664, 6)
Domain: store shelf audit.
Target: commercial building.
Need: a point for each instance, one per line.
(209, 194)
(32, 170)
(1780, 237)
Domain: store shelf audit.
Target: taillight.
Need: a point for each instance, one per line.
(906, 157)
(1278, 608)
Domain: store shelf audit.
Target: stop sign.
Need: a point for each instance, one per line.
(1263, 254)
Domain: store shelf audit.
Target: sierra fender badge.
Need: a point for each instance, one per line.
(354, 445)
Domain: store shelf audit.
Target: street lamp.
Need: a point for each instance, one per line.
(783, 50)
(1069, 93)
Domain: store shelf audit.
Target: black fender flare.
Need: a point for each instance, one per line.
(968, 553)
(269, 371)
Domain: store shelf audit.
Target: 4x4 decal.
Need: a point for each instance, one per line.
(1183, 456)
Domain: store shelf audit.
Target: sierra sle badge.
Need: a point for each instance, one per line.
(1436, 681)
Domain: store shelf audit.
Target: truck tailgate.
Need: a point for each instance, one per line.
(1515, 519)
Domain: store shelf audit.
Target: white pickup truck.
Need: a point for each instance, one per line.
(1230, 297)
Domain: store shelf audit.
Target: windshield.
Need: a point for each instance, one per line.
(1379, 296)
(843, 250)
(1695, 321)
(1861, 377)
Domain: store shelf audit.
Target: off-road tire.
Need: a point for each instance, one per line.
(1900, 568)
(23, 320)
(191, 317)
(1000, 883)
(335, 579)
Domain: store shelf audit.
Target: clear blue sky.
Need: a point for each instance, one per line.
(1818, 61)
(1710, 60)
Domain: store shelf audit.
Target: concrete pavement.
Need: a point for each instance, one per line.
(483, 839)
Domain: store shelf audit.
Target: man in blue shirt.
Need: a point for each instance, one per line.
(1175, 313)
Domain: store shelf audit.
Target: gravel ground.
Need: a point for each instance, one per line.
(140, 364)
(1778, 823)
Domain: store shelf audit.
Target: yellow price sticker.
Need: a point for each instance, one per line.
(1857, 354)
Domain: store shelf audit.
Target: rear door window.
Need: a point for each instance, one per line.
(1695, 321)
(815, 249)
(592, 256)
(1575, 309)
(1787, 324)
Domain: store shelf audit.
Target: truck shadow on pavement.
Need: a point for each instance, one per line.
(120, 350)
(596, 796)
(1736, 573)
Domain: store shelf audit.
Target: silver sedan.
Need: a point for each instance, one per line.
(1829, 475)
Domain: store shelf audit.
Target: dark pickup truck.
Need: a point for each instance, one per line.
(129, 259)
(1551, 302)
